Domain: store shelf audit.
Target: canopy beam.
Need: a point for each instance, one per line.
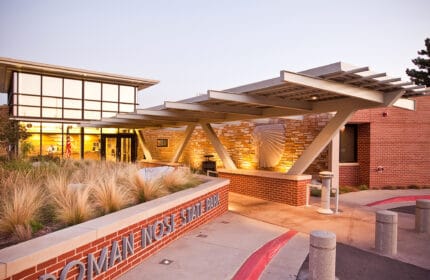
(181, 148)
(219, 148)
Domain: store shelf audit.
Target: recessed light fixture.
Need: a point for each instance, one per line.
(314, 97)
(166, 262)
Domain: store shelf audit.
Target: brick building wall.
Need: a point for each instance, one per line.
(396, 140)
(282, 190)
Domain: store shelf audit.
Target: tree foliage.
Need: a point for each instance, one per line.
(11, 131)
(421, 76)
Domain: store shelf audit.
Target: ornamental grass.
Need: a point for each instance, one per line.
(20, 205)
(48, 194)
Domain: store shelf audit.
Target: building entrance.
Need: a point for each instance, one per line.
(121, 147)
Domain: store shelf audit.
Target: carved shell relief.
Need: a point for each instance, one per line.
(269, 144)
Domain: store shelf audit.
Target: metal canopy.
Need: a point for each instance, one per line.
(323, 89)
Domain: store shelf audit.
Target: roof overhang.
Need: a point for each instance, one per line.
(318, 90)
(8, 66)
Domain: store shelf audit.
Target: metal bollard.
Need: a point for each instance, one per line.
(422, 215)
(322, 255)
(326, 177)
(386, 232)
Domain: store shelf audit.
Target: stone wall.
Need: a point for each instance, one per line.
(237, 139)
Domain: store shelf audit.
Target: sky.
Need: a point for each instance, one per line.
(193, 46)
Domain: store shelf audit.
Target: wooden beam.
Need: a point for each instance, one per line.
(137, 117)
(377, 75)
(391, 97)
(260, 100)
(183, 144)
(219, 148)
(214, 108)
(256, 86)
(343, 73)
(143, 145)
(322, 140)
(334, 87)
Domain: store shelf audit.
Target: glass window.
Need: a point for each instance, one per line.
(126, 107)
(24, 111)
(52, 102)
(32, 127)
(72, 114)
(29, 100)
(108, 114)
(92, 115)
(52, 113)
(52, 127)
(162, 142)
(72, 128)
(29, 83)
(126, 94)
(110, 106)
(52, 86)
(92, 105)
(72, 146)
(15, 82)
(109, 130)
(51, 144)
(34, 141)
(110, 92)
(92, 90)
(72, 88)
(348, 144)
(72, 104)
(92, 130)
(92, 147)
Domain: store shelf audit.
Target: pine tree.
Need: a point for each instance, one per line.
(421, 76)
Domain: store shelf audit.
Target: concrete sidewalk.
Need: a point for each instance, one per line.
(218, 249)
(354, 225)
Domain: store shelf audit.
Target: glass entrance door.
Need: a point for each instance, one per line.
(120, 147)
(111, 148)
(125, 151)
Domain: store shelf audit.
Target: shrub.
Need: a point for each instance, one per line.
(180, 179)
(146, 189)
(71, 200)
(20, 206)
(363, 187)
(107, 192)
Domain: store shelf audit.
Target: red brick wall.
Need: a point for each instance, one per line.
(285, 191)
(398, 142)
(56, 264)
(349, 175)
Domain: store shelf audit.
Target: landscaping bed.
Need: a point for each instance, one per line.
(39, 198)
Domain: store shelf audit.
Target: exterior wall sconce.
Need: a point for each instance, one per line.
(380, 169)
(384, 114)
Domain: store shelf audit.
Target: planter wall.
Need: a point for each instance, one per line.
(107, 247)
(268, 185)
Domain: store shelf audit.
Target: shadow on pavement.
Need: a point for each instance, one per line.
(355, 264)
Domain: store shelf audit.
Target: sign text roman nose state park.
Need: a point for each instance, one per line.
(120, 250)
